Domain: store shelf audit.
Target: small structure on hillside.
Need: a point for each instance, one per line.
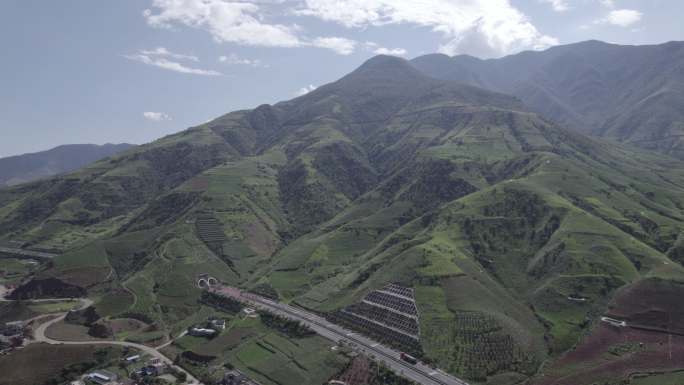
(11, 329)
(236, 377)
(102, 377)
(250, 312)
(196, 331)
(133, 358)
(614, 322)
(217, 324)
(148, 371)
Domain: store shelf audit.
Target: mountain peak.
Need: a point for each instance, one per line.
(386, 66)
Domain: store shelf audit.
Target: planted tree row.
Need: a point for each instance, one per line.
(288, 327)
(220, 302)
(475, 346)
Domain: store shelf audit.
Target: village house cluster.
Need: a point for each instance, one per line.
(12, 336)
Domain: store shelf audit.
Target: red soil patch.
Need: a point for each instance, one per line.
(612, 353)
(357, 373)
(652, 302)
(592, 360)
(259, 238)
(199, 184)
(38, 363)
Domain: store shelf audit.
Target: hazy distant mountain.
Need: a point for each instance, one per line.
(27, 167)
(514, 232)
(633, 94)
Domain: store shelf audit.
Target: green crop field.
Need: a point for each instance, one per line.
(264, 354)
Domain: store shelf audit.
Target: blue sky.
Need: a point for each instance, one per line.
(86, 71)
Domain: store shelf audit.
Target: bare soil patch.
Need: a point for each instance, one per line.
(652, 302)
(612, 353)
(123, 325)
(38, 363)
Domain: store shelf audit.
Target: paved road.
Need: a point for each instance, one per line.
(419, 373)
(39, 335)
(83, 300)
(27, 253)
(169, 342)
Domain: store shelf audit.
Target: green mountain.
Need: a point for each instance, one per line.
(514, 232)
(62, 159)
(631, 94)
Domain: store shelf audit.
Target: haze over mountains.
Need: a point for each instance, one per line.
(66, 158)
(490, 211)
(632, 94)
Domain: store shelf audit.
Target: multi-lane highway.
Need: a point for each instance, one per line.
(419, 372)
(27, 253)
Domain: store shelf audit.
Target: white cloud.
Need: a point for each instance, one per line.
(234, 59)
(480, 27)
(558, 5)
(608, 3)
(564, 5)
(340, 45)
(162, 62)
(161, 51)
(305, 90)
(156, 116)
(621, 17)
(240, 22)
(388, 51)
(234, 22)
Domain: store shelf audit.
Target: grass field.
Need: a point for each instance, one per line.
(68, 332)
(53, 307)
(265, 355)
(13, 270)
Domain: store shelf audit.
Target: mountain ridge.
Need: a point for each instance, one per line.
(488, 210)
(626, 93)
(61, 159)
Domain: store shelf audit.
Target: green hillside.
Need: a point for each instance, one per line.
(514, 232)
(628, 93)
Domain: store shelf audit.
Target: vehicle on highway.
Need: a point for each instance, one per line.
(408, 358)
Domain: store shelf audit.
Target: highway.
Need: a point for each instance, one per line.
(27, 253)
(419, 372)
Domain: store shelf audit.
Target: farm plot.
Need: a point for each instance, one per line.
(55, 362)
(615, 354)
(651, 343)
(266, 355)
(471, 344)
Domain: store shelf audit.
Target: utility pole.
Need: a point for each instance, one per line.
(669, 334)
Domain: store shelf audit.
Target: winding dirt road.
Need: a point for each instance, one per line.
(39, 336)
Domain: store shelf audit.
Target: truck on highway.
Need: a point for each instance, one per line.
(408, 358)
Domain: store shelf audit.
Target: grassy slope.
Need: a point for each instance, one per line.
(486, 209)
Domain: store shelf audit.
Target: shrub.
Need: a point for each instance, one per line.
(220, 302)
(288, 327)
